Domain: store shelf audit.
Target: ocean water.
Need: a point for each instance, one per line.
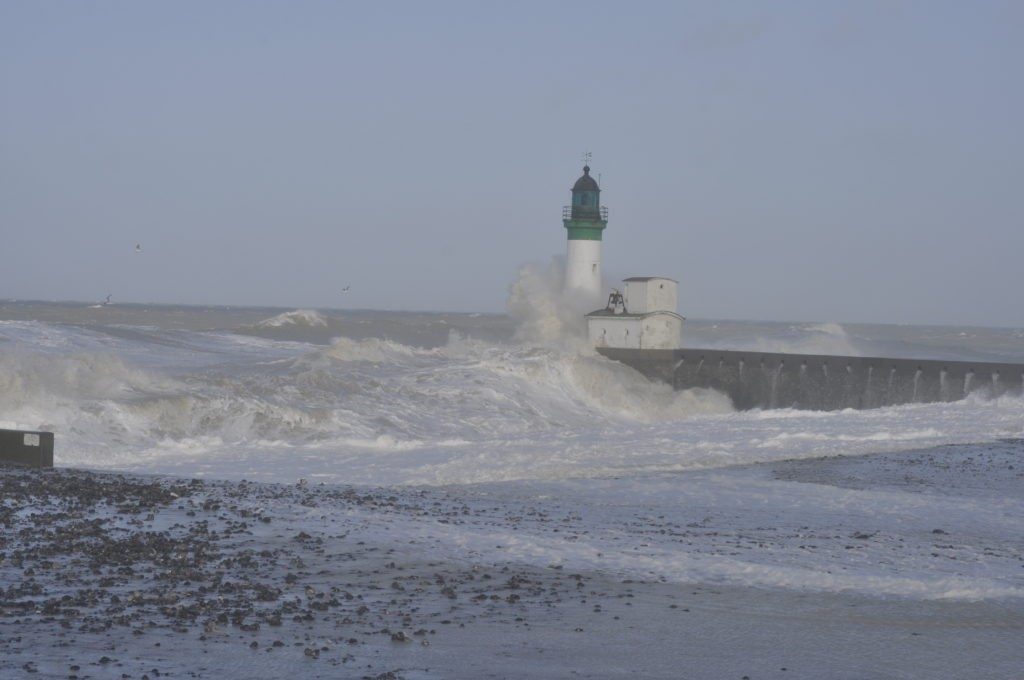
(515, 407)
(416, 398)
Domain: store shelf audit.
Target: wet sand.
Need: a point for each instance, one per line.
(114, 576)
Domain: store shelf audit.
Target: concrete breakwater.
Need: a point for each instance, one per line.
(820, 382)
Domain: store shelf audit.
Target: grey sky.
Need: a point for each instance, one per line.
(853, 161)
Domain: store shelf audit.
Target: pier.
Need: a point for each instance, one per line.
(821, 382)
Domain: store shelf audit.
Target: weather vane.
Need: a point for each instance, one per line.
(586, 158)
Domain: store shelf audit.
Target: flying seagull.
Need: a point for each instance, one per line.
(345, 289)
(138, 247)
(107, 301)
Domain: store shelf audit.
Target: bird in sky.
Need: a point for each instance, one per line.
(107, 301)
(345, 289)
(138, 247)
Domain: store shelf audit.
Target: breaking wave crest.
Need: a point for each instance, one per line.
(550, 320)
(371, 349)
(25, 377)
(370, 394)
(588, 383)
(367, 394)
(95, 399)
(307, 318)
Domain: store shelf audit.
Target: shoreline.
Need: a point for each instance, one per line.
(199, 578)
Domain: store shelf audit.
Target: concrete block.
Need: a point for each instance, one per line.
(818, 382)
(26, 447)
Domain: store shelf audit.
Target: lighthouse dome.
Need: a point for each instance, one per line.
(586, 182)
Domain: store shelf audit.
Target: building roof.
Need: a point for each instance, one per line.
(650, 278)
(586, 182)
(609, 313)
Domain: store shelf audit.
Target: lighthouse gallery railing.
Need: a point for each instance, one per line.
(584, 212)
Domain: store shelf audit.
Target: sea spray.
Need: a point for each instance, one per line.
(545, 314)
(552, 319)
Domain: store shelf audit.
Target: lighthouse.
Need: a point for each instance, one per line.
(584, 223)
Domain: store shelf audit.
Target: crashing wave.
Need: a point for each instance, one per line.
(308, 318)
(370, 349)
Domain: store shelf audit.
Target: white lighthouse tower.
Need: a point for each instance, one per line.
(584, 222)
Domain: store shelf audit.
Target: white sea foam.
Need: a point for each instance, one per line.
(669, 563)
(369, 349)
(308, 318)
(342, 396)
(545, 314)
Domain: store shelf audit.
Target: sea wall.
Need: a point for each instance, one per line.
(820, 382)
